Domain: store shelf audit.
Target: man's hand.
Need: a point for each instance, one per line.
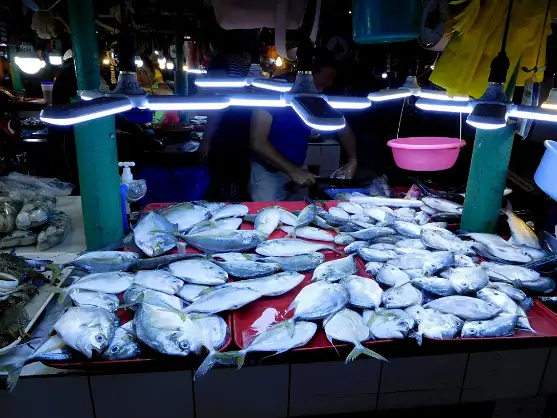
(347, 171)
(203, 150)
(302, 177)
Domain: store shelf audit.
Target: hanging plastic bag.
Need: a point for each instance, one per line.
(53, 186)
(464, 66)
(35, 212)
(58, 227)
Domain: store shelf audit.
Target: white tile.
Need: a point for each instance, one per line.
(423, 373)
(504, 374)
(334, 387)
(143, 395)
(416, 398)
(549, 384)
(62, 397)
(260, 391)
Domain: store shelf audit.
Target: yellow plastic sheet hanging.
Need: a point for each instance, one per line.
(464, 66)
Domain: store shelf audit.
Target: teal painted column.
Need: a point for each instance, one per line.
(488, 174)
(95, 141)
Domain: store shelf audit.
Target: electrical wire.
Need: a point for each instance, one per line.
(507, 25)
(50, 8)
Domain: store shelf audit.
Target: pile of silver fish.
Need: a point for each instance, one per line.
(422, 279)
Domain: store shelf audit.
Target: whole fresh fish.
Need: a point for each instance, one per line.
(437, 261)
(415, 243)
(86, 329)
(391, 276)
(442, 205)
(248, 269)
(236, 257)
(335, 270)
(321, 223)
(515, 275)
(227, 241)
(507, 254)
(386, 201)
(362, 217)
(364, 293)
(113, 282)
(85, 298)
(210, 206)
(284, 247)
(466, 280)
(139, 294)
(105, 261)
(372, 233)
(163, 261)
(350, 207)
(405, 214)
(355, 246)
(230, 211)
(387, 324)
(461, 260)
(500, 326)
(407, 262)
(212, 331)
(499, 299)
(318, 300)
(164, 330)
(382, 246)
(185, 215)
(202, 272)
(417, 312)
(267, 220)
(522, 234)
(465, 307)
(509, 290)
(190, 291)
(348, 227)
(344, 239)
(277, 339)
(159, 280)
(286, 217)
(210, 226)
(305, 217)
(122, 347)
(303, 262)
(380, 215)
(543, 284)
(427, 210)
(339, 214)
(400, 297)
(373, 267)
(441, 239)
(434, 285)
(421, 218)
(382, 256)
(348, 326)
(404, 251)
(273, 285)
(438, 326)
(225, 298)
(309, 232)
(391, 239)
(153, 234)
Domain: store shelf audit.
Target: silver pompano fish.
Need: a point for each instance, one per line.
(185, 215)
(441, 239)
(508, 289)
(284, 247)
(380, 215)
(276, 339)
(386, 201)
(348, 326)
(86, 329)
(212, 330)
(500, 326)
(437, 261)
(105, 261)
(372, 233)
(248, 269)
(267, 220)
(140, 294)
(319, 300)
(153, 235)
(381, 256)
(350, 207)
(465, 307)
(122, 347)
(273, 285)
(442, 205)
(286, 217)
(159, 280)
(386, 324)
(113, 282)
(355, 246)
(408, 229)
(309, 232)
(522, 234)
(512, 274)
(228, 241)
(84, 298)
(498, 299)
(373, 267)
(230, 211)
(190, 291)
(364, 292)
(402, 297)
(335, 270)
(391, 276)
(164, 330)
(211, 227)
(305, 217)
(303, 262)
(202, 272)
(496, 246)
(225, 298)
(344, 239)
(437, 325)
(466, 280)
(434, 285)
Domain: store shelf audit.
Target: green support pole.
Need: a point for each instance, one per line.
(488, 175)
(17, 82)
(95, 141)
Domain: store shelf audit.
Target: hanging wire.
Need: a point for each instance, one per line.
(400, 119)
(535, 69)
(507, 25)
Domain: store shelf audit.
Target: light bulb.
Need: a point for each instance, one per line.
(279, 62)
(156, 52)
(29, 63)
(106, 61)
(170, 65)
(162, 62)
(138, 62)
(488, 116)
(185, 68)
(55, 59)
(384, 75)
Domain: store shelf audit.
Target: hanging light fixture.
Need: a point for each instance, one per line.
(29, 62)
(279, 62)
(55, 58)
(138, 62)
(169, 65)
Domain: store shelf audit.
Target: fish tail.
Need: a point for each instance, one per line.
(9, 375)
(360, 349)
(228, 359)
(292, 234)
(417, 336)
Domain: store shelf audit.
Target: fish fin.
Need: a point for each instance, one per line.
(274, 354)
(333, 344)
(292, 234)
(508, 209)
(290, 326)
(228, 359)
(417, 336)
(360, 349)
(9, 375)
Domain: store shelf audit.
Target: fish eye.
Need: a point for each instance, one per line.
(402, 324)
(389, 298)
(464, 284)
(115, 349)
(99, 338)
(183, 345)
(472, 330)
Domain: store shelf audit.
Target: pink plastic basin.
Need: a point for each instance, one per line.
(426, 153)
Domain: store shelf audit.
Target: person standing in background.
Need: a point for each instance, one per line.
(279, 142)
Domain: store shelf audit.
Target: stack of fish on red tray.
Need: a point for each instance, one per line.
(420, 280)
